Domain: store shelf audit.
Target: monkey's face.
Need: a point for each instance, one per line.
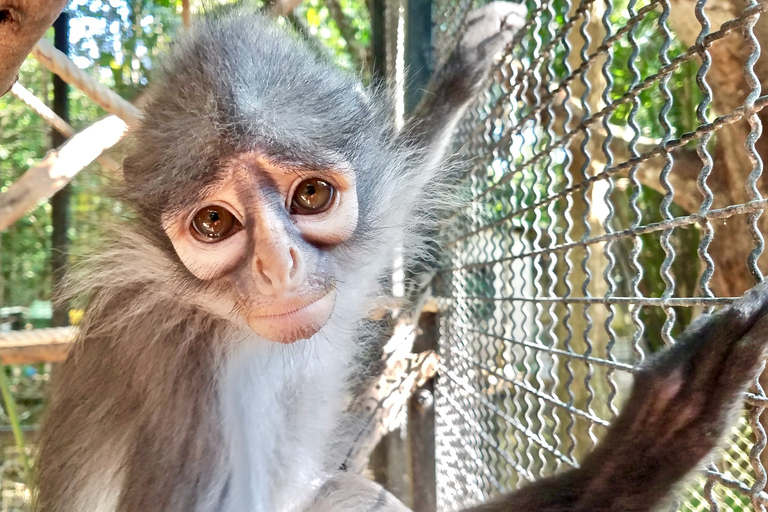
(262, 235)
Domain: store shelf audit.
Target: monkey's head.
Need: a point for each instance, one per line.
(271, 179)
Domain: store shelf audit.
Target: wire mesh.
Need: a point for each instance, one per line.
(613, 193)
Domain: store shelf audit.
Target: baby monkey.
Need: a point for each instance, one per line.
(211, 370)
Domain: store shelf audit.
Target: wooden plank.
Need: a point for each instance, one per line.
(385, 402)
(421, 425)
(36, 346)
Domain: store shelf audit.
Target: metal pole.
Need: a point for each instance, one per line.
(60, 202)
(418, 51)
(378, 41)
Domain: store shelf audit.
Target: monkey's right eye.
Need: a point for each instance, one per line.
(214, 223)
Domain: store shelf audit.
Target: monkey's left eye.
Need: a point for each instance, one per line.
(214, 223)
(312, 196)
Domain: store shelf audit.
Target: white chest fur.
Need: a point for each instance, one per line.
(281, 411)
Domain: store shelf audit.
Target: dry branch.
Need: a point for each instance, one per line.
(185, 13)
(58, 167)
(284, 7)
(58, 63)
(59, 124)
(22, 24)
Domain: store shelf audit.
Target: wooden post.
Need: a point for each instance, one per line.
(421, 412)
(421, 426)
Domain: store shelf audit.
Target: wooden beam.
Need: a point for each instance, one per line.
(58, 63)
(36, 346)
(58, 168)
(384, 404)
(421, 425)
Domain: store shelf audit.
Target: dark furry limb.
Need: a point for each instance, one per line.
(680, 407)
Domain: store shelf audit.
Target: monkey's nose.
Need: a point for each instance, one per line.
(278, 270)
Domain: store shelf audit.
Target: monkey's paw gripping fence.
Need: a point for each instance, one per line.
(613, 193)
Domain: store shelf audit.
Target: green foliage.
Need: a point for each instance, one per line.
(25, 245)
(682, 82)
(120, 39)
(349, 49)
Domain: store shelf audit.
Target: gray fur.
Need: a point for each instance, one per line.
(168, 403)
(142, 409)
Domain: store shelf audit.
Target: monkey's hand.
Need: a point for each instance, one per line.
(352, 493)
(487, 31)
(680, 407)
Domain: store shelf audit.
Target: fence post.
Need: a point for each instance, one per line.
(60, 201)
(418, 50)
(421, 410)
(378, 41)
(421, 426)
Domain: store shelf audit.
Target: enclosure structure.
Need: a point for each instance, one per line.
(611, 192)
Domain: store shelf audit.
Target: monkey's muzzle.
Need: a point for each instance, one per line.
(296, 320)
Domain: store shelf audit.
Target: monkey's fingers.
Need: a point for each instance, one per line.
(489, 29)
(745, 359)
(681, 404)
(720, 357)
(495, 17)
(713, 359)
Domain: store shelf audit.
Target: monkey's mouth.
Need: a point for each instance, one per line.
(297, 320)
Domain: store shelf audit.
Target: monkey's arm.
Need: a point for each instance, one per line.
(488, 30)
(679, 409)
(349, 492)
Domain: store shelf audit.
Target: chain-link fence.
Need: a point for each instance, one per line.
(613, 193)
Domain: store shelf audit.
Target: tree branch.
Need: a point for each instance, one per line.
(58, 168)
(58, 63)
(284, 7)
(50, 117)
(357, 51)
(185, 13)
(382, 406)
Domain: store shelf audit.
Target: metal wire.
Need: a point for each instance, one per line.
(592, 226)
